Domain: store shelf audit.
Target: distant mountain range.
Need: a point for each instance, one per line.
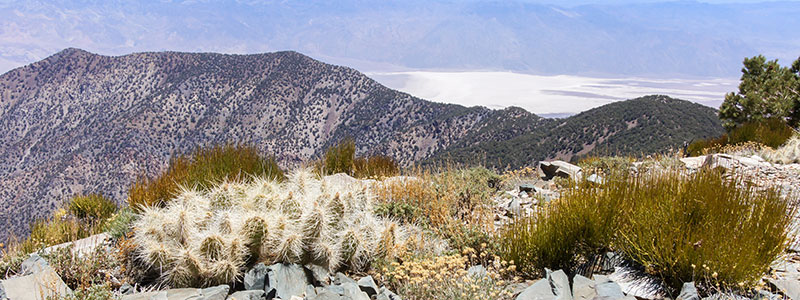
(660, 39)
(78, 122)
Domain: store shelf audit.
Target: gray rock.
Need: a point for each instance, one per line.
(635, 283)
(790, 288)
(596, 179)
(219, 292)
(285, 281)
(34, 264)
(386, 294)
(353, 292)
(126, 289)
(688, 292)
(319, 274)
(561, 169)
(336, 289)
(560, 284)
(539, 290)
(607, 289)
(310, 291)
(82, 247)
(693, 162)
(340, 279)
(213, 293)
(256, 278)
(247, 295)
(2, 292)
(766, 295)
(513, 207)
(477, 271)
(367, 285)
(583, 288)
(41, 283)
(527, 188)
(328, 295)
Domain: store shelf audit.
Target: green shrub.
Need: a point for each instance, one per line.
(574, 227)
(92, 207)
(341, 158)
(675, 223)
(202, 168)
(120, 223)
(605, 164)
(668, 221)
(85, 271)
(770, 132)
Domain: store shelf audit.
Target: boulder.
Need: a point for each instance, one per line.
(34, 264)
(688, 292)
(583, 288)
(539, 290)
(719, 160)
(367, 285)
(256, 277)
(340, 179)
(285, 280)
(513, 207)
(386, 294)
(126, 289)
(594, 178)
(527, 188)
(353, 292)
(477, 271)
(219, 292)
(213, 293)
(607, 289)
(693, 162)
(41, 283)
(82, 247)
(340, 279)
(561, 169)
(560, 284)
(636, 283)
(247, 295)
(319, 274)
(788, 287)
(327, 295)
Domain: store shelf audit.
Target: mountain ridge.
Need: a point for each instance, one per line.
(77, 122)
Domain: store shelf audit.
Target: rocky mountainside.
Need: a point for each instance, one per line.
(77, 122)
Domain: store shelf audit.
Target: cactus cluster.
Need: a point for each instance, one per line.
(787, 154)
(203, 238)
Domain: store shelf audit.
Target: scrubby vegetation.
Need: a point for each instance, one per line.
(446, 277)
(669, 222)
(420, 233)
(455, 203)
(201, 169)
(341, 158)
(754, 134)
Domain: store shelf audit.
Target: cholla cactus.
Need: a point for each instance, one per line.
(207, 238)
(786, 154)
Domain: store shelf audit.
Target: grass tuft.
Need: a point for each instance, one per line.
(670, 222)
(201, 169)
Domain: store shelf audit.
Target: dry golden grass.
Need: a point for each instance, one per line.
(455, 203)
